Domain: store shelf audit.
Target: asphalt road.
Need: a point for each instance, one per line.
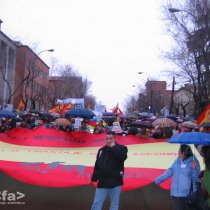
(150, 197)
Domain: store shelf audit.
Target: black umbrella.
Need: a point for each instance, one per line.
(108, 115)
(80, 112)
(205, 125)
(145, 115)
(172, 117)
(46, 116)
(133, 115)
(35, 111)
(139, 124)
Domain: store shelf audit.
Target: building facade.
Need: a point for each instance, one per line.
(23, 75)
(7, 69)
(157, 96)
(32, 76)
(183, 101)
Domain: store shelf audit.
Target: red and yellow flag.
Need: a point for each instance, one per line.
(21, 105)
(205, 116)
(117, 110)
(65, 108)
(56, 108)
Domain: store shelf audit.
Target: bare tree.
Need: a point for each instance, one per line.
(32, 89)
(189, 25)
(142, 102)
(90, 101)
(12, 88)
(67, 83)
(130, 104)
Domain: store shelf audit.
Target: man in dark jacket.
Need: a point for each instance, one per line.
(109, 171)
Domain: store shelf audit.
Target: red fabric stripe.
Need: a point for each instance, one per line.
(58, 175)
(45, 137)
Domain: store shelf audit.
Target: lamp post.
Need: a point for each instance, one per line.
(196, 29)
(142, 72)
(174, 10)
(49, 50)
(172, 96)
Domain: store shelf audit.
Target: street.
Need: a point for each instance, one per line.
(150, 197)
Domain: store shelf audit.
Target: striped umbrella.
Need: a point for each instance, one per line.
(164, 122)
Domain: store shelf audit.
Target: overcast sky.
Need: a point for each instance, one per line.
(109, 41)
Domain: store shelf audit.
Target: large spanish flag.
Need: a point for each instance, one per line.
(53, 158)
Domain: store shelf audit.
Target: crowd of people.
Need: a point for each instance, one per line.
(96, 126)
(187, 179)
(32, 121)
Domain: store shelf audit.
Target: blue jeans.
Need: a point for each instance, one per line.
(101, 195)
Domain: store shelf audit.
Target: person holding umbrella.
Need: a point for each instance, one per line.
(185, 173)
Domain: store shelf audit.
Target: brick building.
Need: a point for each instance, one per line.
(31, 79)
(22, 75)
(156, 96)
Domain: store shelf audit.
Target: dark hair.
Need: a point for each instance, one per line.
(186, 150)
(132, 130)
(206, 156)
(68, 127)
(110, 132)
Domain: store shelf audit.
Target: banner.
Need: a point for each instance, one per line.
(77, 102)
(8, 107)
(53, 158)
(100, 108)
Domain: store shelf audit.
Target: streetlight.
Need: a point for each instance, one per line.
(142, 72)
(172, 96)
(191, 38)
(49, 50)
(174, 10)
(37, 55)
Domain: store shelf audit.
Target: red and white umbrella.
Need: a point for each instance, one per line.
(189, 124)
(62, 121)
(164, 122)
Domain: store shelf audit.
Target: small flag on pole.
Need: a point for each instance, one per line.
(21, 105)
